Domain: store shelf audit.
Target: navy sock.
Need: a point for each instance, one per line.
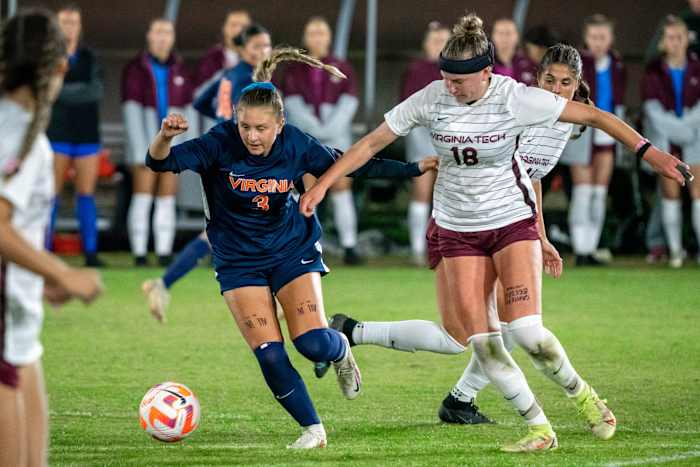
(51, 228)
(285, 383)
(321, 345)
(187, 260)
(86, 212)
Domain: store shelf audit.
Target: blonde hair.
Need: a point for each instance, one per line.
(667, 22)
(468, 39)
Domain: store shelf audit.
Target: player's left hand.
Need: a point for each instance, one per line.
(311, 199)
(55, 294)
(551, 260)
(667, 165)
(429, 163)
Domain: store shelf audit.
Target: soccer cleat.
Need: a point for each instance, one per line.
(313, 436)
(349, 377)
(452, 410)
(93, 261)
(158, 298)
(600, 418)
(351, 258)
(140, 261)
(321, 368)
(343, 324)
(539, 438)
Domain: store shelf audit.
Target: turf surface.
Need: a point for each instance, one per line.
(631, 331)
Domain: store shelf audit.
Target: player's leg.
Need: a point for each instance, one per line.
(694, 187)
(156, 290)
(144, 183)
(13, 429)
(672, 220)
(579, 212)
(345, 218)
(419, 214)
(86, 168)
(470, 281)
(603, 165)
(164, 217)
(253, 308)
(61, 162)
(33, 393)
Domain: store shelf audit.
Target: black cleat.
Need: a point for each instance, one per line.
(588, 260)
(93, 261)
(165, 260)
(464, 413)
(321, 368)
(140, 261)
(351, 257)
(341, 323)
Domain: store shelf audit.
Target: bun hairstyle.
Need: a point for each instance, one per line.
(32, 47)
(253, 30)
(468, 39)
(259, 96)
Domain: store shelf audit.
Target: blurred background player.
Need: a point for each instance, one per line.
(324, 106)
(510, 60)
(421, 72)
(671, 96)
(592, 157)
(32, 63)
(537, 40)
(74, 132)
(223, 55)
(153, 83)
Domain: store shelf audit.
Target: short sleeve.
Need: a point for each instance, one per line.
(197, 155)
(18, 188)
(317, 157)
(534, 106)
(414, 111)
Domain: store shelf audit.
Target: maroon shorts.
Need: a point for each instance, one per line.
(602, 147)
(8, 374)
(444, 243)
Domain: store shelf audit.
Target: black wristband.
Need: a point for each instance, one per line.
(643, 149)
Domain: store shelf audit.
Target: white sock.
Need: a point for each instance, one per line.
(418, 213)
(504, 373)
(696, 219)
(579, 218)
(345, 217)
(599, 204)
(672, 220)
(138, 222)
(546, 353)
(408, 336)
(164, 225)
(473, 380)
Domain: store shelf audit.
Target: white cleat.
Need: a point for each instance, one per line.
(312, 437)
(676, 260)
(158, 298)
(349, 377)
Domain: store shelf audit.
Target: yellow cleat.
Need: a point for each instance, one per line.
(539, 438)
(600, 418)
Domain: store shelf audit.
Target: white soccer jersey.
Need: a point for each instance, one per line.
(30, 191)
(540, 148)
(481, 184)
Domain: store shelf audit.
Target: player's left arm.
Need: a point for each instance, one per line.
(661, 161)
(551, 260)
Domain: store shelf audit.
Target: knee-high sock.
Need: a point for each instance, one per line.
(696, 219)
(579, 219)
(139, 213)
(502, 370)
(546, 353)
(285, 383)
(473, 380)
(51, 228)
(408, 336)
(322, 345)
(599, 202)
(186, 261)
(164, 225)
(345, 217)
(418, 213)
(86, 212)
(672, 218)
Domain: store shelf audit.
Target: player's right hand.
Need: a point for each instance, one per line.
(173, 125)
(311, 199)
(83, 284)
(667, 165)
(551, 260)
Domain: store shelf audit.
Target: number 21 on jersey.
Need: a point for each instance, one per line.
(468, 156)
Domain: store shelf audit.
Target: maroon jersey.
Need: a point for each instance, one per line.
(420, 73)
(521, 69)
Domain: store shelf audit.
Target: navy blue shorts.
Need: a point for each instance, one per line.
(310, 260)
(76, 151)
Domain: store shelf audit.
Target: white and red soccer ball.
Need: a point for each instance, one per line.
(169, 412)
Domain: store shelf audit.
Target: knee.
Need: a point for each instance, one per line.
(456, 333)
(320, 345)
(529, 333)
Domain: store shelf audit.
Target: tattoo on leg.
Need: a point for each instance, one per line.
(252, 322)
(307, 306)
(518, 293)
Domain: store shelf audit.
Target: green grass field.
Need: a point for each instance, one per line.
(631, 331)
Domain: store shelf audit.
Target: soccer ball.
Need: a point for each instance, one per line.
(169, 412)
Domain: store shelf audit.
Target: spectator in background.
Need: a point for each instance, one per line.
(74, 132)
(510, 61)
(537, 40)
(421, 72)
(154, 84)
(223, 55)
(324, 106)
(671, 96)
(217, 98)
(591, 157)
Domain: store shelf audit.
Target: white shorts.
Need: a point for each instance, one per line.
(21, 317)
(419, 145)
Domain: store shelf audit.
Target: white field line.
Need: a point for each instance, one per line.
(656, 460)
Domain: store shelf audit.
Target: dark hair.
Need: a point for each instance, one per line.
(69, 6)
(262, 97)
(598, 19)
(468, 39)
(253, 30)
(31, 48)
(541, 36)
